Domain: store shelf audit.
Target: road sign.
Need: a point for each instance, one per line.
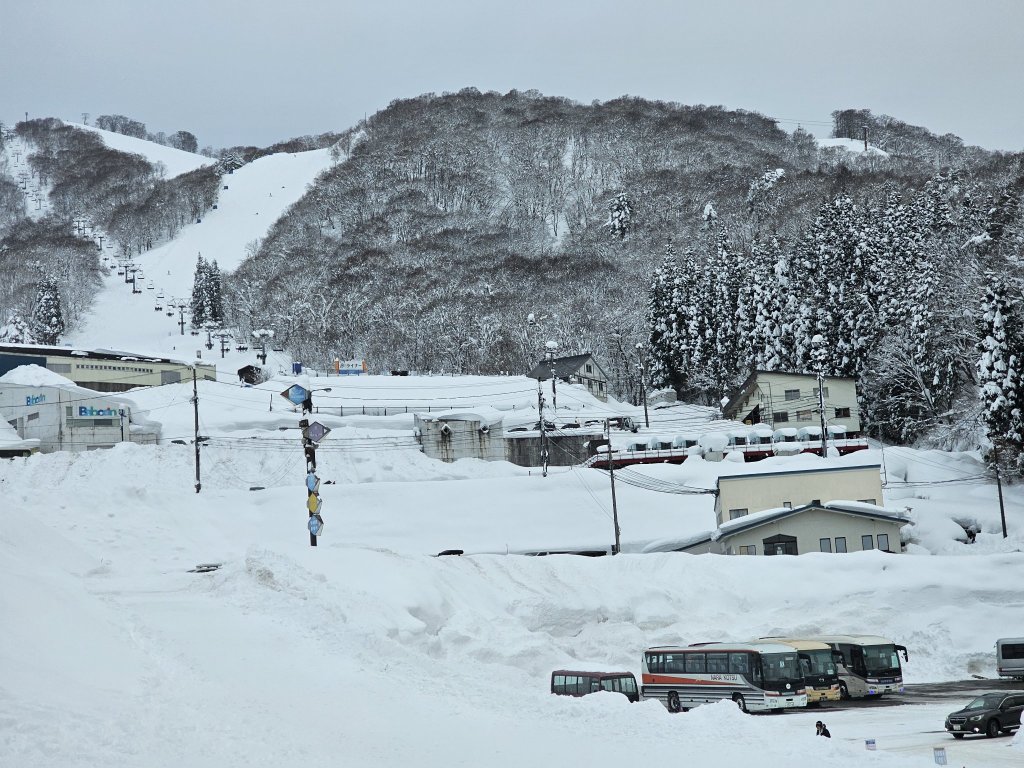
(317, 431)
(314, 503)
(296, 394)
(312, 483)
(315, 525)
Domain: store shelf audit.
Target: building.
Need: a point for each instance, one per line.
(452, 435)
(44, 407)
(103, 370)
(784, 400)
(741, 495)
(575, 369)
(835, 526)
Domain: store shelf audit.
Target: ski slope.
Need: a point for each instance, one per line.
(174, 161)
(250, 201)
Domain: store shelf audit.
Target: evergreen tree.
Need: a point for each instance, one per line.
(16, 330)
(47, 322)
(200, 294)
(663, 322)
(1001, 387)
(620, 216)
(214, 295)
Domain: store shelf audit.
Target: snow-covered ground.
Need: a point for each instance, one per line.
(851, 145)
(369, 651)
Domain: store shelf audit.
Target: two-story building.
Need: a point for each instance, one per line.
(781, 399)
(574, 369)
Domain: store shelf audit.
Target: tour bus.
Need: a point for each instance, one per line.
(1010, 657)
(818, 663)
(568, 682)
(759, 677)
(870, 664)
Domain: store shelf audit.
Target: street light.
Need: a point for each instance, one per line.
(643, 380)
(550, 348)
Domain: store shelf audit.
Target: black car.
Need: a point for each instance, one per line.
(991, 714)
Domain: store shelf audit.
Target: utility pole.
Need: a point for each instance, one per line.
(643, 381)
(611, 476)
(549, 352)
(818, 354)
(311, 435)
(543, 432)
(195, 406)
(999, 486)
(865, 137)
(85, 118)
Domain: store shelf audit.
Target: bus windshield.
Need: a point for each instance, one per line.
(780, 666)
(818, 663)
(881, 659)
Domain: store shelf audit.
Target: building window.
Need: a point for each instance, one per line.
(840, 543)
(825, 545)
(749, 550)
(600, 386)
(590, 368)
(32, 417)
(867, 542)
(780, 416)
(816, 502)
(804, 415)
(868, 501)
(883, 542)
(792, 394)
(824, 388)
(843, 413)
(734, 513)
(787, 504)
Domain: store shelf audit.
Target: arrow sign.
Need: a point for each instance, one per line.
(315, 525)
(296, 394)
(312, 483)
(317, 432)
(314, 503)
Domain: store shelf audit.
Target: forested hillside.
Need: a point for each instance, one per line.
(461, 232)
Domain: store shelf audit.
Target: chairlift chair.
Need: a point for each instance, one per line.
(158, 308)
(120, 271)
(160, 294)
(150, 286)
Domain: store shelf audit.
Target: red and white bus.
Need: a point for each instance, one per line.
(758, 677)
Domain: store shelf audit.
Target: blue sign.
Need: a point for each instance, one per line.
(317, 431)
(35, 399)
(312, 483)
(296, 394)
(316, 525)
(88, 411)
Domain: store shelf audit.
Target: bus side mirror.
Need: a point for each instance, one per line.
(902, 649)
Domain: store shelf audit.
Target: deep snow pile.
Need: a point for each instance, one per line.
(114, 654)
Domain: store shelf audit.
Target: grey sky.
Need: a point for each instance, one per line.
(256, 71)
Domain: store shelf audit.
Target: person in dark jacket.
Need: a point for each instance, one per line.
(821, 730)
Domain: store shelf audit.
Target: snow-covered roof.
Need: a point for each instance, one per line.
(859, 509)
(481, 413)
(36, 376)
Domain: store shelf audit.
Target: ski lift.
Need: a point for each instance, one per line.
(170, 313)
(120, 271)
(158, 307)
(150, 286)
(138, 274)
(160, 295)
(242, 347)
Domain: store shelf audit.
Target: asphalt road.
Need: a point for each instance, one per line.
(958, 692)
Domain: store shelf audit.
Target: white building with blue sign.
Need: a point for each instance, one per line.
(42, 405)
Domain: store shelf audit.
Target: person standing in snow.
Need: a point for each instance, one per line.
(821, 730)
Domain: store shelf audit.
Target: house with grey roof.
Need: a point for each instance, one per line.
(574, 369)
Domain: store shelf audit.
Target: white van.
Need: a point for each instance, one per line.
(1010, 657)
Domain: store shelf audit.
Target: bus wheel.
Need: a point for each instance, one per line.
(844, 692)
(672, 700)
(740, 701)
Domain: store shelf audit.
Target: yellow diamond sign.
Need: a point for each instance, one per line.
(313, 503)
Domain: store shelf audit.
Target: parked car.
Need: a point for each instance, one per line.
(565, 682)
(624, 422)
(991, 714)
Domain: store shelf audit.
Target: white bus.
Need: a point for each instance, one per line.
(759, 677)
(870, 665)
(1010, 657)
(819, 665)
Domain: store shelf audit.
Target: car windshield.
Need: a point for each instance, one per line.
(988, 701)
(780, 666)
(881, 659)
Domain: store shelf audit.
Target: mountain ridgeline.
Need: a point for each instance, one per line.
(461, 232)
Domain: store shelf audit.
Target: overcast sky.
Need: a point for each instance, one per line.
(259, 71)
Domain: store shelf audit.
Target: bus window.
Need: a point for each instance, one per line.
(739, 663)
(558, 685)
(718, 663)
(695, 663)
(628, 685)
(780, 666)
(609, 684)
(673, 664)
